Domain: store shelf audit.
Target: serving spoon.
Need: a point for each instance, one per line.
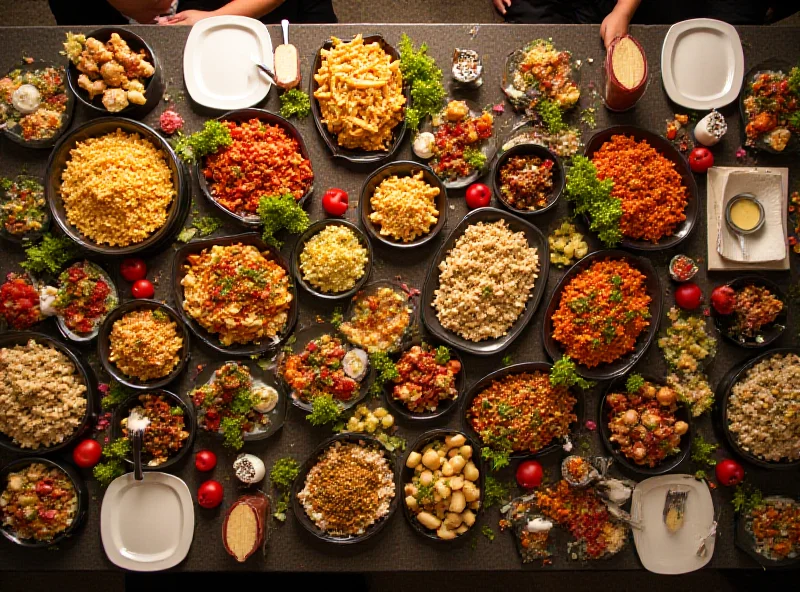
(137, 424)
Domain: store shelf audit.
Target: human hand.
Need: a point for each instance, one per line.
(500, 5)
(186, 17)
(615, 25)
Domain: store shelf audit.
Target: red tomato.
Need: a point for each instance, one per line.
(478, 196)
(87, 453)
(44, 487)
(723, 299)
(529, 474)
(133, 269)
(209, 494)
(143, 289)
(334, 202)
(700, 159)
(688, 296)
(729, 472)
(205, 460)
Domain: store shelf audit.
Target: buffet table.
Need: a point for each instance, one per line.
(397, 547)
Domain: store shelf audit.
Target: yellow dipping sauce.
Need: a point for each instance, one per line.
(745, 214)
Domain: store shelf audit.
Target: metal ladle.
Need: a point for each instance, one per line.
(741, 233)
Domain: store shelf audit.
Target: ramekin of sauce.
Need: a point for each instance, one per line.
(744, 213)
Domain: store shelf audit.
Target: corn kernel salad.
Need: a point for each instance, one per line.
(117, 188)
(404, 207)
(334, 259)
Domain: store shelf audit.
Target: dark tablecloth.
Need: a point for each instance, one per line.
(398, 547)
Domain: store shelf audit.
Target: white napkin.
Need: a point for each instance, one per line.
(769, 243)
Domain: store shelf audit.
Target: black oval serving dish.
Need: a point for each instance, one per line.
(176, 212)
(668, 151)
(764, 336)
(302, 338)
(104, 343)
(401, 168)
(348, 154)
(153, 86)
(81, 491)
(559, 178)
(277, 416)
(190, 424)
(300, 480)
(486, 347)
(407, 474)
(666, 465)
(397, 408)
(769, 65)
(484, 382)
(723, 393)
(240, 116)
(83, 369)
(626, 362)
(209, 339)
(315, 228)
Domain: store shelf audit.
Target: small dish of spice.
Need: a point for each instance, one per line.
(467, 67)
(682, 268)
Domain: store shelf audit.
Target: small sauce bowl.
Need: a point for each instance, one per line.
(740, 198)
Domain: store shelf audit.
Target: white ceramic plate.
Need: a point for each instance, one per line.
(147, 525)
(217, 62)
(702, 64)
(664, 552)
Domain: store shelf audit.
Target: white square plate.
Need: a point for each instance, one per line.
(702, 64)
(218, 65)
(664, 552)
(147, 525)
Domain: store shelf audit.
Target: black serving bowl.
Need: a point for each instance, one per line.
(559, 179)
(668, 151)
(744, 540)
(355, 156)
(371, 289)
(621, 365)
(302, 338)
(66, 116)
(241, 116)
(190, 425)
(666, 465)
(406, 475)
(769, 65)
(83, 370)
(723, 393)
(100, 127)
(766, 335)
(81, 492)
(153, 86)
(277, 416)
(209, 339)
(312, 230)
(104, 343)
(399, 409)
(401, 168)
(32, 236)
(300, 481)
(486, 347)
(487, 380)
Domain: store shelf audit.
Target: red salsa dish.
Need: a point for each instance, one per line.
(19, 302)
(426, 377)
(85, 296)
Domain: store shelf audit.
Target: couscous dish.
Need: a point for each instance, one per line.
(145, 344)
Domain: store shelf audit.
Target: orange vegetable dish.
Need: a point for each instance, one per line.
(651, 190)
(602, 312)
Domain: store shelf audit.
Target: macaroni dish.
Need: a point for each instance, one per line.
(360, 94)
(404, 207)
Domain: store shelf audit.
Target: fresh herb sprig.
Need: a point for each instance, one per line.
(495, 492)
(634, 383)
(115, 453)
(593, 198)
(51, 254)
(115, 394)
(210, 139)
(425, 78)
(565, 374)
(323, 410)
(281, 212)
(551, 115)
(496, 458)
(746, 498)
(385, 371)
(295, 103)
(282, 475)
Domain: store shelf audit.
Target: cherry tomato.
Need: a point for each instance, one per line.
(529, 474)
(209, 494)
(729, 472)
(47, 514)
(44, 487)
(205, 460)
(700, 159)
(143, 289)
(723, 299)
(334, 202)
(478, 196)
(87, 453)
(133, 269)
(688, 296)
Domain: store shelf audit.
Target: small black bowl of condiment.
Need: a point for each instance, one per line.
(526, 151)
